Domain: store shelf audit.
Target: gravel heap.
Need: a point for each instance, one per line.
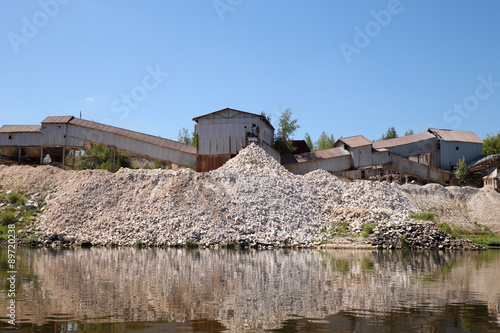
(462, 207)
(251, 200)
(417, 235)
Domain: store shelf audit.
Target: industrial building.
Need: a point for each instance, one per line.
(429, 155)
(222, 134)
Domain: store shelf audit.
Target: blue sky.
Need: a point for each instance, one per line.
(344, 67)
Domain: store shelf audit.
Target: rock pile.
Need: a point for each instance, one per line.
(463, 207)
(251, 200)
(416, 235)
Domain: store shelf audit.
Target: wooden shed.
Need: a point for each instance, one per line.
(492, 180)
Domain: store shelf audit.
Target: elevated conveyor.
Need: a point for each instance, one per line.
(58, 135)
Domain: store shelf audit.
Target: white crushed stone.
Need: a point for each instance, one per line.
(252, 199)
(463, 207)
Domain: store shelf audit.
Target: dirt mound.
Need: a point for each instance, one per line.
(464, 207)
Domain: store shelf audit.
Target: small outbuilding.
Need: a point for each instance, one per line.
(492, 180)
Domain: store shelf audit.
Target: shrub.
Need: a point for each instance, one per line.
(367, 229)
(15, 197)
(191, 244)
(8, 217)
(446, 227)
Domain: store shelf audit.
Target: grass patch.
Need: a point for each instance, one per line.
(446, 227)
(4, 231)
(425, 216)
(337, 228)
(403, 242)
(31, 241)
(191, 244)
(8, 217)
(367, 230)
(486, 240)
(481, 235)
(232, 245)
(16, 198)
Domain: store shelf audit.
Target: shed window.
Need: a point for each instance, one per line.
(10, 137)
(456, 148)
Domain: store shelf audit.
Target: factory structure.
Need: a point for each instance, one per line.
(430, 155)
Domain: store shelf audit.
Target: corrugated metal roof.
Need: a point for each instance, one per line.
(314, 156)
(355, 141)
(300, 147)
(229, 109)
(484, 162)
(57, 120)
(457, 136)
(404, 140)
(20, 129)
(135, 135)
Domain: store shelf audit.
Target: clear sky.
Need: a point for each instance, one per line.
(344, 67)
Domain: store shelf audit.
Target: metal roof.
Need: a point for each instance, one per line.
(300, 146)
(57, 119)
(404, 140)
(484, 162)
(456, 136)
(155, 140)
(20, 129)
(229, 109)
(314, 156)
(355, 141)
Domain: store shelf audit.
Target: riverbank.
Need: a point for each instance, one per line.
(250, 201)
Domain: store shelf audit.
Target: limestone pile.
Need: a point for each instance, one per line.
(251, 200)
(462, 207)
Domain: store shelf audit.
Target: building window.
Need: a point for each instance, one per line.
(10, 137)
(456, 148)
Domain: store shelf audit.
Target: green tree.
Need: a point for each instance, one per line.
(325, 141)
(491, 144)
(309, 142)
(283, 137)
(186, 138)
(390, 134)
(268, 116)
(100, 157)
(409, 132)
(461, 172)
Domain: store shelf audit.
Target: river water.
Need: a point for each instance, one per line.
(178, 290)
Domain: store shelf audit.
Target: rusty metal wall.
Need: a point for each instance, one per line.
(205, 163)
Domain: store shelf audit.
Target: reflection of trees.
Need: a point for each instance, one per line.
(254, 289)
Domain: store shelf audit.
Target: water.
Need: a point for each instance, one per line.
(177, 290)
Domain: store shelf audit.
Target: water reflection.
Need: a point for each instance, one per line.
(130, 289)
